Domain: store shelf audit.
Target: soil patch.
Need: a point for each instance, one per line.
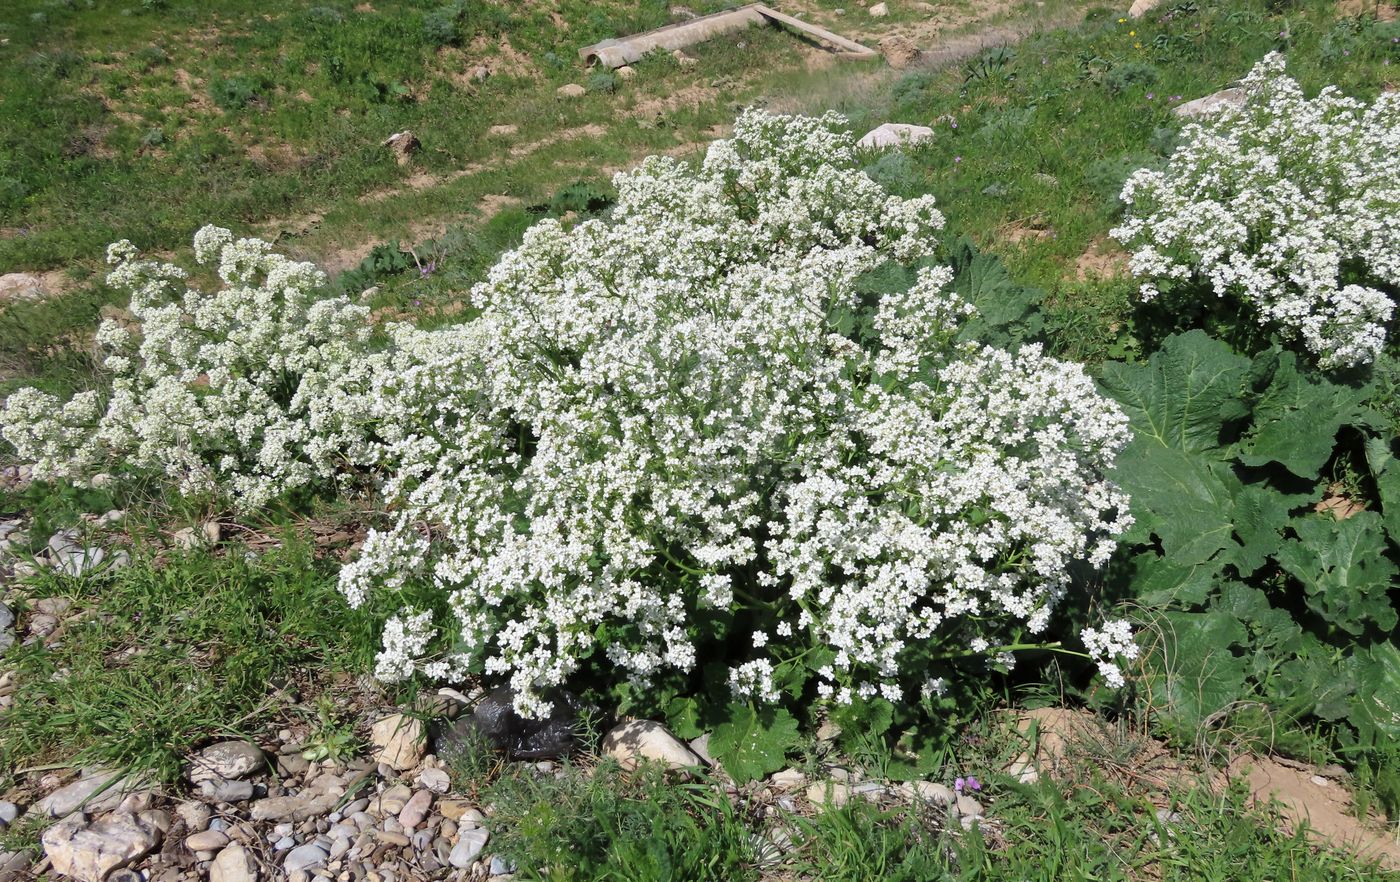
(1306, 798)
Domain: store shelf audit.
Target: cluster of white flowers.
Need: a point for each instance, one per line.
(655, 416)
(1108, 646)
(220, 391)
(654, 441)
(1291, 205)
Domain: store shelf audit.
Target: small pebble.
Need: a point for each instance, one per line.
(208, 840)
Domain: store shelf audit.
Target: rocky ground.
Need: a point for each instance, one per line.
(281, 808)
(254, 812)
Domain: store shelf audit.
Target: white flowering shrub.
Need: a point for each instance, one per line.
(1290, 205)
(222, 390)
(673, 438)
(654, 445)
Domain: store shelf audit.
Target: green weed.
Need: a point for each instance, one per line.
(166, 654)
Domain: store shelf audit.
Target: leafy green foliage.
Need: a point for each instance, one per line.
(1254, 594)
(612, 826)
(384, 260)
(753, 743)
(1008, 313)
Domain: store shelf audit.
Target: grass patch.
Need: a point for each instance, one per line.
(171, 652)
(597, 823)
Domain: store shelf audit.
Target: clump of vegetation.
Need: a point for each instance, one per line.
(1285, 205)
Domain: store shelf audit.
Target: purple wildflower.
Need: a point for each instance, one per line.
(968, 783)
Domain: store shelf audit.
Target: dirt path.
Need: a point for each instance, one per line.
(1305, 797)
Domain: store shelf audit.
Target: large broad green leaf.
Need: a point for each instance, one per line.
(1186, 500)
(1007, 313)
(1260, 516)
(1315, 682)
(751, 744)
(1194, 669)
(1376, 704)
(1272, 632)
(1343, 569)
(1183, 396)
(1379, 455)
(1388, 483)
(1297, 417)
(1160, 581)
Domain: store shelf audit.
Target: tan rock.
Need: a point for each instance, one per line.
(89, 851)
(1213, 103)
(233, 864)
(900, 52)
(404, 144)
(632, 742)
(21, 286)
(828, 794)
(399, 741)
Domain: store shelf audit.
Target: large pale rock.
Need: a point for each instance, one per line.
(293, 808)
(399, 741)
(416, 809)
(469, 845)
(929, 791)
(306, 857)
(828, 794)
(435, 780)
(21, 286)
(879, 10)
(572, 90)
(219, 790)
(233, 864)
(630, 743)
(89, 851)
(96, 791)
(15, 865)
(787, 779)
(895, 135)
(1142, 7)
(229, 760)
(206, 840)
(1214, 103)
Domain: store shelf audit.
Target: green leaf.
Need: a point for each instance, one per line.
(1376, 704)
(1379, 455)
(1343, 569)
(1260, 515)
(1008, 313)
(1297, 417)
(1195, 671)
(1182, 397)
(1272, 630)
(683, 716)
(1182, 497)
(1316, 683)
(751, 744)
(866, 720)
(1388, 483)
(1159, 581)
